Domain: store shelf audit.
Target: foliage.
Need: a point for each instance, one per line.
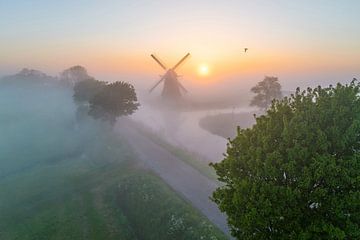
(266, 90)
(155, 213)
(86, 90)
(104, 101)
(296, 173)
(114, 100)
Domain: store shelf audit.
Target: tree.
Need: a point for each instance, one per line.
(295, 173)
(85, 90)
(266, 90)
(73, 75)
(114, 100)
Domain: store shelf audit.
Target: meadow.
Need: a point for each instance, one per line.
(65, 177)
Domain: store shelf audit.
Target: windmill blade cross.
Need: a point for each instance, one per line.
(162, 79)
(158, 61)
(181, 61)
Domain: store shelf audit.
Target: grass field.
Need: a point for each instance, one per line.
(65, 179)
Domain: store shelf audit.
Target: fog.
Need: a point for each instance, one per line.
(177, 126)
(180, 126)
(39, 120)
(226, 96)
(38, 126)
(47, 142)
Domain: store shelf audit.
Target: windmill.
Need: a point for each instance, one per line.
(172, 86)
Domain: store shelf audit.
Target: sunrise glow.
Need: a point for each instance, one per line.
(203, 70)
(116, 39)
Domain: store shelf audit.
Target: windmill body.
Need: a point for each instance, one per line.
(172, 89)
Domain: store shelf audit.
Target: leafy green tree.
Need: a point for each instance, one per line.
(114, 100)
(296, 173)
(85, 90)
(266, 91)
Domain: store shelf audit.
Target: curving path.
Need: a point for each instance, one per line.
(183, 178)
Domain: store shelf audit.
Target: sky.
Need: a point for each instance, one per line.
(301, 42)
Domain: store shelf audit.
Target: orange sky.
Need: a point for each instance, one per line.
(117, 38)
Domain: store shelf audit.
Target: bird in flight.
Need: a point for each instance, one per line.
(245, 49)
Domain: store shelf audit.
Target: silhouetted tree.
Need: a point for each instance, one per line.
(85, 90)
(114, 100)
(295, 173)
(266, 91)
(73, 75)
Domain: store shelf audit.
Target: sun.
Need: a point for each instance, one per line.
(203, 70)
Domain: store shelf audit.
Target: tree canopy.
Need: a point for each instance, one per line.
(114, 100)
(266, 91)
(85, 90)
(73, 75)
(296, 173)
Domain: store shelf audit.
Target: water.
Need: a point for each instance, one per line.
(182, 129)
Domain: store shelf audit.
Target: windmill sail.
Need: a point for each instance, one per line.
(158, 61)
(181, 61)
(162, 79)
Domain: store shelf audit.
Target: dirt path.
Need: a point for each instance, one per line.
(183, 178)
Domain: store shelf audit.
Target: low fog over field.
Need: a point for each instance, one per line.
(64, 173)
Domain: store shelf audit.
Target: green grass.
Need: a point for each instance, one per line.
(88, 199)
(63, 200)
(65, 179)
(167, 217)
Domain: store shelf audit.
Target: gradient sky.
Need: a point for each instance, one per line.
(295, 40)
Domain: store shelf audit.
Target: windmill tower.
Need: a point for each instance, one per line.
(172, 87)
